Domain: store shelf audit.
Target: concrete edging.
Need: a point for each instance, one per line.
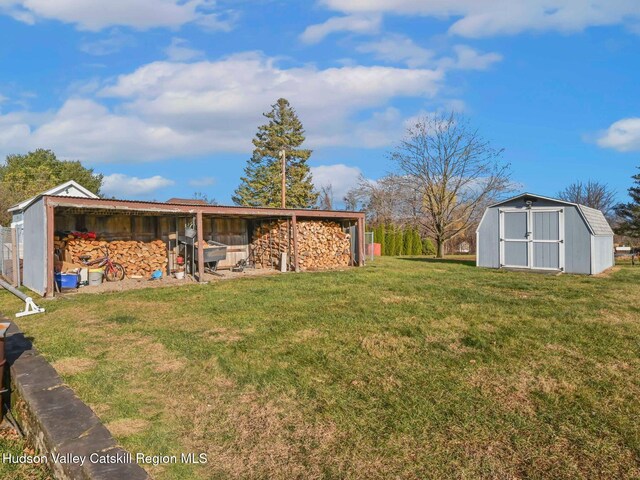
(56, 422)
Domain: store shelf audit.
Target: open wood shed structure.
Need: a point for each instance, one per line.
(541, 233)
(153, 221)
(66, 189)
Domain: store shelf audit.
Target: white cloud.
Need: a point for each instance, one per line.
(483, 18)
(623, 135)
(88, 131)
(219, 22)
(380, 129)
(121, 185)
(179, 51)
(114, 42)
(95, 15)
(398, 48)
(15, 131)
(202, 182)
(223, 100)
(168, 109)
(468, 58)
(341, 177)
(352, 23)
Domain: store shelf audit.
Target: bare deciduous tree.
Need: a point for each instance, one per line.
(455, 172)
(351, 201)
(326, 197)
(205, 197)
(383, 200)
(593, 194)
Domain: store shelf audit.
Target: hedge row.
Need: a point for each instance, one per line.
(402, 241)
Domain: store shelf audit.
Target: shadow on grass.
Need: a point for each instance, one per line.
(456, 261)
(122, 319)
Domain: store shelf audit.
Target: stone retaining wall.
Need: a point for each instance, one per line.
(56, 422)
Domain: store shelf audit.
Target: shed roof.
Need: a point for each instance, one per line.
(595, 219)
(57, 190)
(131, 206)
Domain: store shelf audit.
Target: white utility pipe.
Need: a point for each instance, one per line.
(30, 307)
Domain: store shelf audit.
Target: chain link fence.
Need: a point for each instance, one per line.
(368, 246)
(9, 255)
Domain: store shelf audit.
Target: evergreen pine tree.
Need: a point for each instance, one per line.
(261, 183)
(417, 243)
(408, 241)
(390, 242)
(399, 242)
(629, 213)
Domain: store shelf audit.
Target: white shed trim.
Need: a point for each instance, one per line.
(53, 191)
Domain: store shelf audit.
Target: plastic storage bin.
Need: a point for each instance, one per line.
(67, 280)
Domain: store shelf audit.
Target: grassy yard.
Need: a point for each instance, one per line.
(409, 368)
(11, 443)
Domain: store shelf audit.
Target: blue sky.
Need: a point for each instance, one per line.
(164, 96)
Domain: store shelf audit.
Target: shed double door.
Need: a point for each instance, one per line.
(532, 238)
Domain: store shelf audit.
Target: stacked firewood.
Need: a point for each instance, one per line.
(270, 242)
(137, 258)
(321, 245)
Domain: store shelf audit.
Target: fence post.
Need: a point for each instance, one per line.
(15, 253)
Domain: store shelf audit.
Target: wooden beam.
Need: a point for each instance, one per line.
(139, 206)
(49, 243)
(294, 227)
(360, 234)
(200, 236)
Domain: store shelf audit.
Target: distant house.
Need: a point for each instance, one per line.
(67, 189)
(187, 201)
(463, 247)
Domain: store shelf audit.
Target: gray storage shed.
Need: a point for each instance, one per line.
(540, 233)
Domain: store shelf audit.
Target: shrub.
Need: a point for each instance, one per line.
(417, 243)
(390, 241)
(408, 241)
(428, 248)
(399, 246)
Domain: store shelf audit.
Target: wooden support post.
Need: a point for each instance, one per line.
(294, 227)
(48, 267)
(288, 243)
(360, 234)
(200, 239)
(15, 260)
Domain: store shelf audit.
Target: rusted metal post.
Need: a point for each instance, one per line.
(50, 219)
(3, 360)
(199, 231)
(360, 234)
(294, 227)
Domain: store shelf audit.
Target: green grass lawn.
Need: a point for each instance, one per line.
(408, 368)
(11, 443)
